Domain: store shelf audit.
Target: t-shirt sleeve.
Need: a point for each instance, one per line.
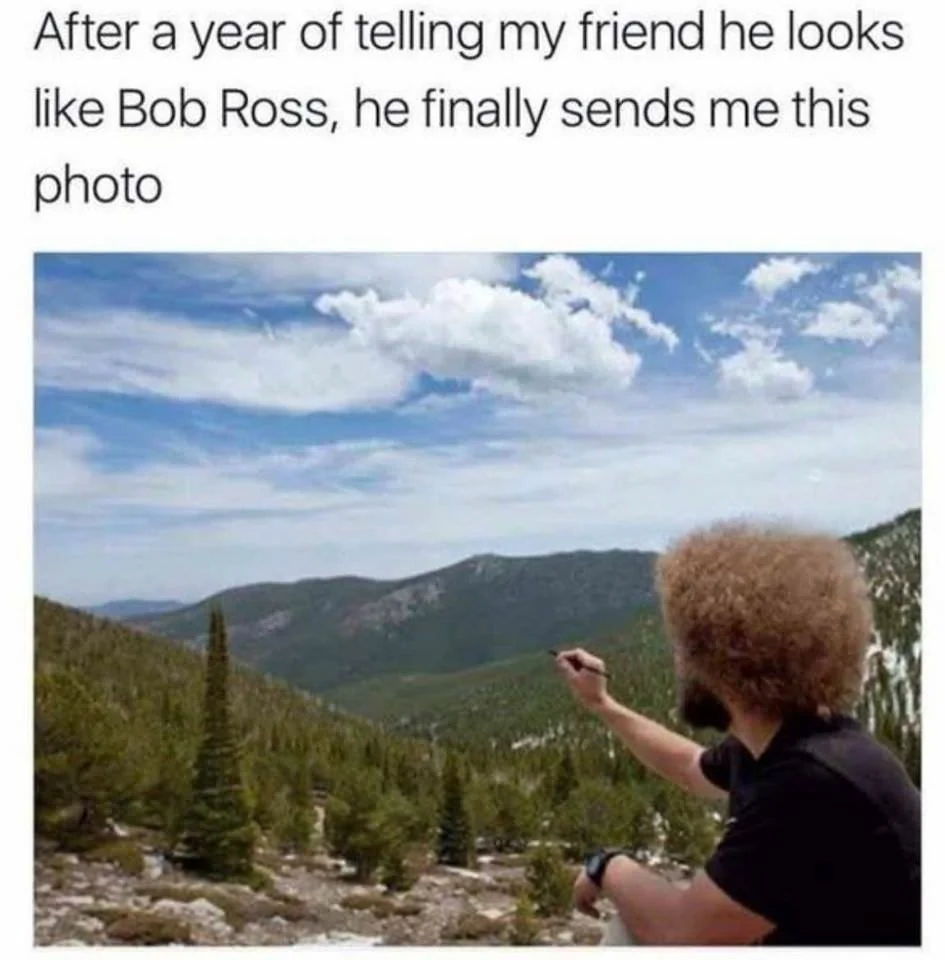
(716, 763)
(769, 855)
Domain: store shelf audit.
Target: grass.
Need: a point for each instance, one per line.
(473, 926)
(239, 910)
(148, 930)
(125, 854)
(382, 906)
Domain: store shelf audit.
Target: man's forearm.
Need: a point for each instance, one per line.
(650, 907)
(662, 751)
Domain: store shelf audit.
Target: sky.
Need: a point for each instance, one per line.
(204, 421)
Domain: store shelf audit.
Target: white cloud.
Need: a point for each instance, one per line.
(564, 282)
(743, 328)
(307, 367)
(704, 355)
(846, 320)
(892, 290)
(493, 336)
(647, 472)
(775, 274)
(761, 370)
(505, 339)
(296, 277)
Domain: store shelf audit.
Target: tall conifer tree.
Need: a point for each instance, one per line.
(455, 840)
(218, 829)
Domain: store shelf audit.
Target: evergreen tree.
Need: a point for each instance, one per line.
(525, 927)
(516, 817)
(566, 779)
(354, 824)
(550, 882)
(294, 826)
(455, 841)
(82, 769)
(218, 831)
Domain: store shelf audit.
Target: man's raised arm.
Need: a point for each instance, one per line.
(661, 750)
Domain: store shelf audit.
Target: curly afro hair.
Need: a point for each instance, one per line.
(778, 622)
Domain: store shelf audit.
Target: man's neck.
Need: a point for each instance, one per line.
(756, 733)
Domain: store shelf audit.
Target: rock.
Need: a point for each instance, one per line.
(492, 913)
(199, 910)
(342, 939)
(86, 924)
(44, 888)
(76, 901)
(469, 874)
(153, 867)
(68, 943)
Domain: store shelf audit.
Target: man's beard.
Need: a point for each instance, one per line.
(701, 708)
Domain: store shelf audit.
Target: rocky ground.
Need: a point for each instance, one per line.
(126, 893)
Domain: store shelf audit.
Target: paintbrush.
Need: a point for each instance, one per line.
(576, 663)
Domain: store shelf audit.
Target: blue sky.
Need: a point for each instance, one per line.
(208, 420)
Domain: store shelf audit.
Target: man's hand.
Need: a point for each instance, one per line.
(586, 684)
(586, 894)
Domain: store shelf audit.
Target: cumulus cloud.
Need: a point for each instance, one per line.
(507, 340)
(880, 303)
(775, 274)
(491, 336)
(846, 321)
(892, 290)
(564, 282)
(761, 370)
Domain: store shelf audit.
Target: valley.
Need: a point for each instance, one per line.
(432, 769)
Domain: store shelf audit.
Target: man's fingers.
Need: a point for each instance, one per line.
(588, 909)
(582, 657)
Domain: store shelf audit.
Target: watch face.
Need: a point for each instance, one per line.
(593, 865)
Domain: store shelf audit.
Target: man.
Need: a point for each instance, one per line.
(770, 632)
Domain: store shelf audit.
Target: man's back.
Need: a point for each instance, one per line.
(824, 835)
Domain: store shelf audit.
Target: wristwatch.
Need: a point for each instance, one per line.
(595, 866)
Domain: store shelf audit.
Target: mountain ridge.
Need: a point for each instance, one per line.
(484, 608)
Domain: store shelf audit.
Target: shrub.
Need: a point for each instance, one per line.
(472, 926)
(125, 854)
(149, 930)
(397, 874)
(525, 927)
(550, 881)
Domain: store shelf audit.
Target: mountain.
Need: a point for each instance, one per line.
(321, 634)
(134, 607)
(522, 702)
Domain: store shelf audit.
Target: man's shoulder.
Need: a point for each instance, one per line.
(845, 768)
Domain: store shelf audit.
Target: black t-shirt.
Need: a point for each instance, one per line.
(823, 837)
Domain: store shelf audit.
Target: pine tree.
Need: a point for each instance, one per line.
(565, 779)
(455, 840)
(525, 927)
(550, 882)
(218, 830)
(294, 827)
